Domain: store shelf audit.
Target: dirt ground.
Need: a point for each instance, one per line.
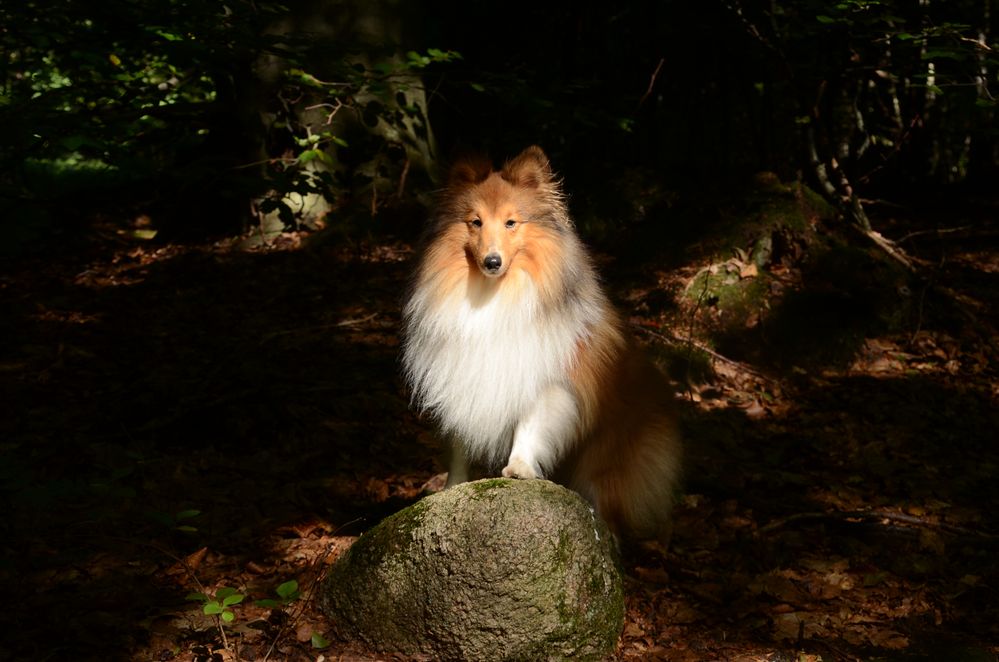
(182, 418)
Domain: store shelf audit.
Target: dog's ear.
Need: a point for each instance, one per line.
(468, 170)
(529, 169)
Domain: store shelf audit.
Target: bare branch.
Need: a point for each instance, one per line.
(652, 82)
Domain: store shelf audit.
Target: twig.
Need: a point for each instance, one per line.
(937, 231)
(876, 516)
(336, 108)
(319, 327)
(307, 598)
(976, 42)
(900, 142)
(690, 331)
(190, 573)
(402, 179)
(752, 30)
(652, 82)
(254, 164)
(359, 320)
(674, 340)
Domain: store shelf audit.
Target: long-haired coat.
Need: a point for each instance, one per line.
(512, 346)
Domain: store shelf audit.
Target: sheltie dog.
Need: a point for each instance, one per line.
(512, 346)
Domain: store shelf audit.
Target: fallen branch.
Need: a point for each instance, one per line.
(889, 248)
(674, 340)
(837, 189)
(874, 516)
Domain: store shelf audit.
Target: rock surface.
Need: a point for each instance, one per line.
(495, 569)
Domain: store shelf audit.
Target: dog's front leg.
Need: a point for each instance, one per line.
(457, 471)
(544, 435)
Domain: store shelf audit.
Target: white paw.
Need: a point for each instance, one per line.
(517, 468)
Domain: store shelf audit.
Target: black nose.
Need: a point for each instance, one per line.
(492, 262)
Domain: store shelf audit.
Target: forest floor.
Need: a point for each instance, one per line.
(185, 418)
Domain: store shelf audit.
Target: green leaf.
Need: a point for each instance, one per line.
(821, 18)
(319, 641)
(288, 589)
(228, 616)
(308, 155)
(212, 608)
(304, 77)
(267, 603)
(224, 592)
(234, 599)
(186, 528)
(144, 234)
(169, 36)
(326, 158)
(187, 514)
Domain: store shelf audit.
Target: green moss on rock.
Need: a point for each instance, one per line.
(529, 573)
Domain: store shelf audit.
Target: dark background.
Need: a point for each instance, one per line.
(793, 203)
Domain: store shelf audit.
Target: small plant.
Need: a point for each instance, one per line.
(287, 593)
(176, 520)
(185, 515)
(220, 604)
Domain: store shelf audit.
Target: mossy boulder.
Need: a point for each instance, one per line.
(494, 569)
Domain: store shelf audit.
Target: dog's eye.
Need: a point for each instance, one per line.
(510, 223)
(477, 223)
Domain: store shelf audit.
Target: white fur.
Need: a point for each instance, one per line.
(486, 368)
(519, 367)
(539, 441)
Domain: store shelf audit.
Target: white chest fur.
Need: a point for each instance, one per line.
(478, 364)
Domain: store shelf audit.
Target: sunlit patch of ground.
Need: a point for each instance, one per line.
(191, 418)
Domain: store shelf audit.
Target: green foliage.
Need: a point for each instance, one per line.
(374, 91)
(219, 604)
(871, 75)
(90, 85)
(287, 593)
(171, 92)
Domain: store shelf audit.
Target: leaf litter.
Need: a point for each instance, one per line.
(832, 511)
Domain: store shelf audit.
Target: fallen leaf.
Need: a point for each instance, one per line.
(633, 630)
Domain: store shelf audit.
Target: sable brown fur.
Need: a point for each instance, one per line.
(513, 347)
